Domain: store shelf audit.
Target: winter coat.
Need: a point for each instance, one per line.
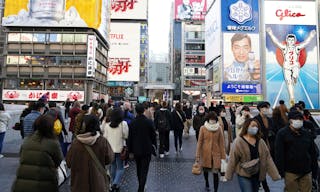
(116, 136)
(210, 148)
(240, 153)
(39, 159)
(4, 121)
(85, 177)
(72, 114)
(198, 121)
(177, 123)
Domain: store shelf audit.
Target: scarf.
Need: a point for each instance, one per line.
(211, 127)
(87, 138)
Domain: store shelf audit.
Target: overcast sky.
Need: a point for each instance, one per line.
(159, 25)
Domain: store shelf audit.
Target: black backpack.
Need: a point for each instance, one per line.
(163, 124)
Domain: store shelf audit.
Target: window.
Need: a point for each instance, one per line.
(55, 38)
(26, 37)
(39, 37)
(80, 38)
(12, 59)
(10, 83)
(25, 60)
(68, 38)
(65, 84)
(52, 84)
(38, 60)
(31, 84)
(13, 37)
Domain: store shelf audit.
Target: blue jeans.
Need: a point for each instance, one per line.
(248, 184)
(117, 169)
(1, 140)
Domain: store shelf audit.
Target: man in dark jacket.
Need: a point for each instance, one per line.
(142, 143)
(163, 123)
(187, 109)
(294, 154)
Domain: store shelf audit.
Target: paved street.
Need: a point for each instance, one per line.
(173, 173)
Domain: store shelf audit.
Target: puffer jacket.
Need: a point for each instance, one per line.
(4, 121)
(39, 159)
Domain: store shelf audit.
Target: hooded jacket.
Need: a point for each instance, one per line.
(85, 177)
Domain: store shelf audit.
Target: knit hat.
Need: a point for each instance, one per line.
(295, 115)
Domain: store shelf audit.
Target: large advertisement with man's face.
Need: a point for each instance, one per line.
(124, 54)
(241, 47)
(58, 13)
(291, 52)
(190, 9)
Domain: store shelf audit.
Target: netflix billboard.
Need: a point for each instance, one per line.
(124, 54)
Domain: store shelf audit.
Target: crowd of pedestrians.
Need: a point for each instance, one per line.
(277, 142)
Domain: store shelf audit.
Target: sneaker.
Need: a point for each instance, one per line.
(180, 150)
(167, 153)
(126, 165)
(1, 156)
(161, 155)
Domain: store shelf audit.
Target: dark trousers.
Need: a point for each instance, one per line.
(164, 141)
(178, 135)
(142, 163)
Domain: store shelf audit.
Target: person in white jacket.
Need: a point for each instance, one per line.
(116, 132)
(241, 118)
(4, 122)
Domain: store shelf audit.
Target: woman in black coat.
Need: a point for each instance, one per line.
(178, 119)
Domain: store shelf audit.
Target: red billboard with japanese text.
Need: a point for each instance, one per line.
(129, 9)
(190, 9)
(124, 54)
(34, 95)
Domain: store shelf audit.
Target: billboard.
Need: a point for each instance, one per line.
(292, 52)
(58, 13)
(213, 32)
(91, 55)
(190, 9)
(129, 9)
(34, 95)
(124, 54)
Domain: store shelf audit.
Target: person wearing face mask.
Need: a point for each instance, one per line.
(243, 115)
(295, 154)
(210, 149)
(227, 129)
(249, 146)
(187, 109)
(198, 119)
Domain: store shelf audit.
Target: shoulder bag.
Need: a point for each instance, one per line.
(97, 163)
(196, 168)
(252, 167)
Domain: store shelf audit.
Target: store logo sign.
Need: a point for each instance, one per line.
(288, 13)
(240, 12)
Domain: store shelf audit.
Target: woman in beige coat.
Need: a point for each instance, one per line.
(210, 149)
(247, 147)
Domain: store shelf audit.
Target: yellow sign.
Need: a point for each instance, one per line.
(58, 13)
(243, 98)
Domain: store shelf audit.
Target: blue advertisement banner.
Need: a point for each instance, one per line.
(241, 88)
(291, 64)
(240, 15)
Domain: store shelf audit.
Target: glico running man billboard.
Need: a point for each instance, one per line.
(291, 52)
(59, 13)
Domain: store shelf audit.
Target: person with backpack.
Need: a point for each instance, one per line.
(163, 122)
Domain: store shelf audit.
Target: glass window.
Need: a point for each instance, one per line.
(68, 38)
(12, 59)
(39, 37)
(52, 84)
(78, 84)
(31, 83)
(13, 37)
(10, 83)
(25, 60)
(80, 60)
(38, 60)
(80, 38)
(26, 37)
(55, 38)
(65, 84)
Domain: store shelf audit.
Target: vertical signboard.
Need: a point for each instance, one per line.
(129, 9)
(124, 54)
(91, 55)
(190, 9)
(291, 52)
(241, 47)
(213, 32)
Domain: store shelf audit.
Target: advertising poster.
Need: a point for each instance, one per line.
(124, 54)
(143, 45)
(190, 9)
(34, 95)
(91, 55)
(213, 33)
(129, 9)
(58, 13)
(241, 67)
(291, 53)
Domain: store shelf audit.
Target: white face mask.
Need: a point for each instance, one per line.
(212, 121)
(297, 124)
(223, 114)
(253, 130)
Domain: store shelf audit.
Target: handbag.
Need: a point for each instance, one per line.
(196, 168)
(251, 167)
(17, 126)
(62, 172)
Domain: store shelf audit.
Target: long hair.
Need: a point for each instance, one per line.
(245, 127)
(283, 111)
(44, 125)
(116, 117)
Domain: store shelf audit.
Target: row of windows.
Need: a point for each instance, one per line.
(195, 59)
(43, 84)
(46, 60)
